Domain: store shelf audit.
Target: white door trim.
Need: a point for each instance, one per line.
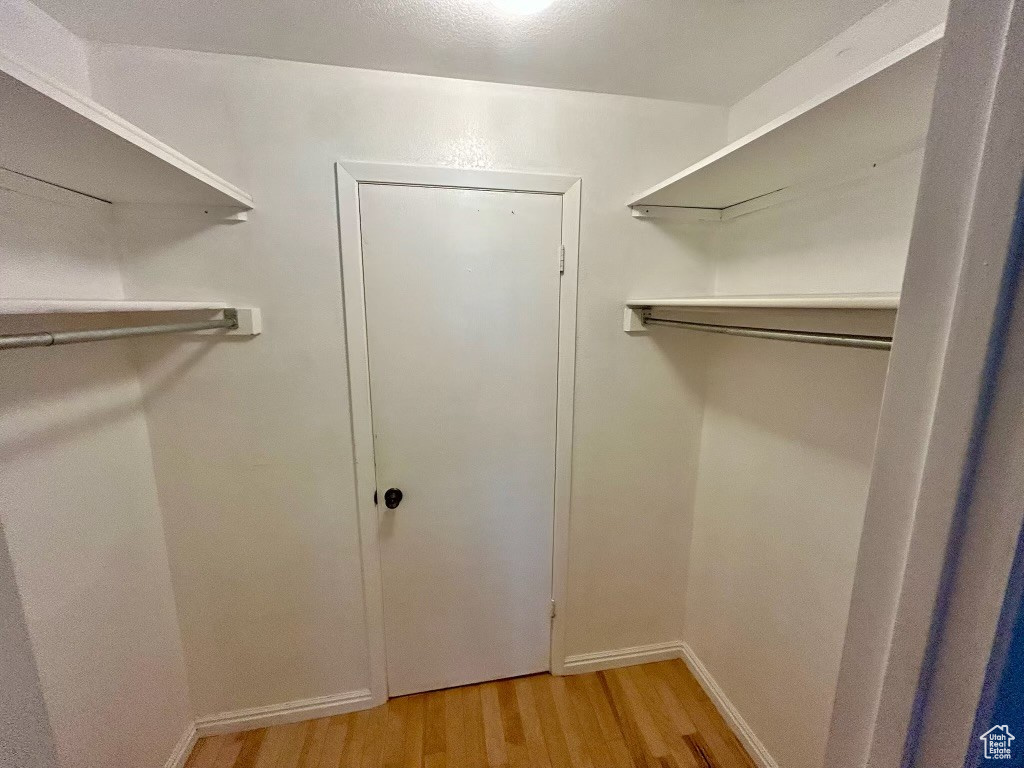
(349, 175)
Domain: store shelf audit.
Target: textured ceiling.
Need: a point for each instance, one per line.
(712, 51)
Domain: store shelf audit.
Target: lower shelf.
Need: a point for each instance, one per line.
(864, 320)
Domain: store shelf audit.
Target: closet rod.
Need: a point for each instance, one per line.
(50, 339)
(805, 337)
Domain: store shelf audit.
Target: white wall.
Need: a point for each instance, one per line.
(784, 467)
(251, 439)
(789, 430)
(34, 38)
(849, 239)
(78, 506)
(879, 33)
(785, 460)
(26, 740)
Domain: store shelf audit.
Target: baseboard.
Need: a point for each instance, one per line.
(183, 748)
(757, 751)
(624, 657)
(290, 712)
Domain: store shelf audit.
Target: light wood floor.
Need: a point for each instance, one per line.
(648, 716)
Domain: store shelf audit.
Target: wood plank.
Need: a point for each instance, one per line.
(313, 745)
(271, 748)
(647, 698)
(673, 707)
(511, 721)
(412, 754)
(631, 735)
(512, 724)
(394, 739)
(533, 733)
(599, 700)
(554, 739)
(434, 727)
(367, 742)
(455, 728)
(334, 742)
(593, 739)
(252, 743)
(699, 750)
(633, 702)
(570, 724)
(650, 716)
(476, 745)
(204, 752)
(291, 749)
(494, 730)
(621, 755)
(725, 749)
(229, 751)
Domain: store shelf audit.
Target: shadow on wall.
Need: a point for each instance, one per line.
(826, 398)
(55, 396)
(25, 737)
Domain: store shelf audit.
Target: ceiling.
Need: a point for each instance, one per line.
(711, 51)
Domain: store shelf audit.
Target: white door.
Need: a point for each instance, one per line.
(462, 300)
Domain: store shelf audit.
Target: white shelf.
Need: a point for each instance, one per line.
(877, 301)
(879, 114)
(859, 313)
(53, 134)
(101, 306)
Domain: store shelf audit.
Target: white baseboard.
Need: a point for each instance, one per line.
(183, 748)
(757, 751)
(624, 657)
(278, 714)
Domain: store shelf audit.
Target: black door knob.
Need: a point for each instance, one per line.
(392, 498)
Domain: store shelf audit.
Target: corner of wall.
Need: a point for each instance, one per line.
(876, 35)
(36, 39)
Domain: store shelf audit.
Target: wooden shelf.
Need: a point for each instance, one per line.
(101, 306)
(838, 301)
(881, 113)
(55, 135)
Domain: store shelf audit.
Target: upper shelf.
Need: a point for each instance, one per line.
(55, 135)
(99, 306)
(887, 301)
(880, 113)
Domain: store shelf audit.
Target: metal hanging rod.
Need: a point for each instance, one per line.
(805, 337)
(50, 339)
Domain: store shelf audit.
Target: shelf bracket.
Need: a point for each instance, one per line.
(634, 320)
(249, 321)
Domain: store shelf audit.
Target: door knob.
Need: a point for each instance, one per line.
(392, 498)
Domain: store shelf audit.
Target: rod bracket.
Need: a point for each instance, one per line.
(248, 321)
(635, 319)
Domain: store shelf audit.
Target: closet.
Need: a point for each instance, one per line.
(87, 577)
(192, 533)
(811, 218)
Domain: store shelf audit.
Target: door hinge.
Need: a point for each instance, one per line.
(552, 609)
(561, 259)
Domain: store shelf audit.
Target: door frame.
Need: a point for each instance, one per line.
(348, 176)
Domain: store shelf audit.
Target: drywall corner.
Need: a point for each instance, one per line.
(26, 739)
(876, 35)
(34, 38)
